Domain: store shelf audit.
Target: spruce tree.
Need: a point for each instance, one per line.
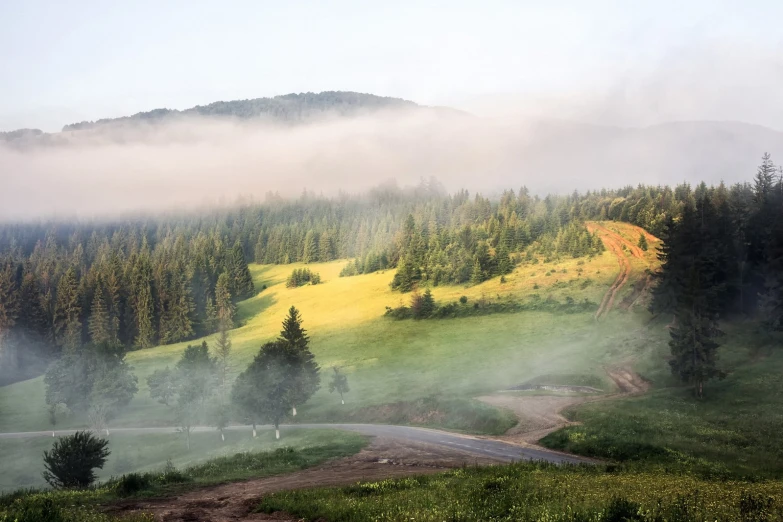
(476, 276)
(67, 313)
(427, 306)
(642, 242)
(99, 323)
(693, 345)
(241, 283)
(310, 249)
(142, 302)
(224, 306)
(305, 379)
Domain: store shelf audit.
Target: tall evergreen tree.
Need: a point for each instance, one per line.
(693, 345)
(67, 313)
(223, 304)
(99, 323)
(142, 302)
(310, 249)
(241, 281)
(305, 373)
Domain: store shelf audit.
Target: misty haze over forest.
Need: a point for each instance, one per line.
(341, 141)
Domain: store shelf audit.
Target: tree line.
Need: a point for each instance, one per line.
(722, 256)
(123, 286)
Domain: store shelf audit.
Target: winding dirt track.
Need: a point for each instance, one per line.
(615, 243)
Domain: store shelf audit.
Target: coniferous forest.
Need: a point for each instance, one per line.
(137, 282)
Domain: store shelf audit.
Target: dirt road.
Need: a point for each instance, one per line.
(383, 458)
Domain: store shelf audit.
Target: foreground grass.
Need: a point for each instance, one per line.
(23, 464)
(537, 492)
(81, 506)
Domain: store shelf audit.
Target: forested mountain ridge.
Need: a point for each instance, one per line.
(287, 108)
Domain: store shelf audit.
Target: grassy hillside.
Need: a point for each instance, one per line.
(427, 372)
(390, 361)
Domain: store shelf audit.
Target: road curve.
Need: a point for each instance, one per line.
(495, 449)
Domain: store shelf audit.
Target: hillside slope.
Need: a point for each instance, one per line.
(390, 361)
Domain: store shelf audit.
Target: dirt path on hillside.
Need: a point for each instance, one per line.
(605, 233)
(383, 458)
(615, 245)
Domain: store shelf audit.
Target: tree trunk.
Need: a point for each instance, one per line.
(254, 430)
(187, 437)
(342, 401)
(222, 436)
(294, 410)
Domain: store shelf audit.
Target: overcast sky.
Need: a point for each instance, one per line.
(625, 62)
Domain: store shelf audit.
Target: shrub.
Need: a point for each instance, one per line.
(502, 279)
(302, 276)
(463, 299)
(71, 461)
(132, 483)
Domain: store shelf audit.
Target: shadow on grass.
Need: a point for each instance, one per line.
(252, 307)
(261, 277)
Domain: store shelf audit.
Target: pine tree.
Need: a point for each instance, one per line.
(693, 346)
(67, 313)
(142, 302)
(476, 276)
(765, 179)
(241, 281)
(310, 250)
(306, 378)
(32, 315)
(427, 304)
(325, 247)
(642, 242)
(503, 262)
(223, 304)
(99, 323)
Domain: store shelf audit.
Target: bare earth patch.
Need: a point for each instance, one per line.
(538, 415)
(383, 458)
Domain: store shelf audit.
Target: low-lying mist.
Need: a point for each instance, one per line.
(199, 161)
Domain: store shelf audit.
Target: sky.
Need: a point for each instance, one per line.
(614, 62)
